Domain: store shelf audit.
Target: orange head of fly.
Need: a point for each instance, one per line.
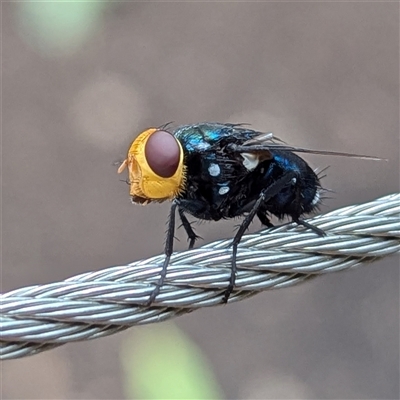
(155, 167)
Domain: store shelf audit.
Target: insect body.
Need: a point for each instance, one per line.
(217, 171)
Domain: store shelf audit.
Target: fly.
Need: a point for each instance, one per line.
(217, 171)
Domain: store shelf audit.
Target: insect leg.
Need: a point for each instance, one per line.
(188, 228)
(264, 219)
(318, 231)
(265, 195)
(298, 221)
(169, 248)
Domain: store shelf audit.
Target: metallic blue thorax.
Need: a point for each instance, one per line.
(200, 137)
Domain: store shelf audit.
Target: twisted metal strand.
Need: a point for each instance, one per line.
(96, 304)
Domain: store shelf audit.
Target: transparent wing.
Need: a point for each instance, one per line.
(265, 143)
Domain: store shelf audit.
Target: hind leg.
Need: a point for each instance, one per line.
(296, 218)
(265, 196)
(316, 230)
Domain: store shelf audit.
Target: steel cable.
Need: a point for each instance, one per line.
(96, 304)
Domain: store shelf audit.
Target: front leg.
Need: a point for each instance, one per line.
(188, 228)
(169, 248)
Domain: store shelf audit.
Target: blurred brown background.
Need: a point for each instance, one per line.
(320, 75)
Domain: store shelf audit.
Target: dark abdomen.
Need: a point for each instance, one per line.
(300, 195)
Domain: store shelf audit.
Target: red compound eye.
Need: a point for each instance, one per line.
(162, 153)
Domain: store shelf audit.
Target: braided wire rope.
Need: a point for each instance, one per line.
(100, 303)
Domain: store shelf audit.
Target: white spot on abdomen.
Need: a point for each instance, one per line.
(316, 198)
(214, 169)
(223, 190)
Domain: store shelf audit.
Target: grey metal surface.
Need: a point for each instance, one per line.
(96, 304)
